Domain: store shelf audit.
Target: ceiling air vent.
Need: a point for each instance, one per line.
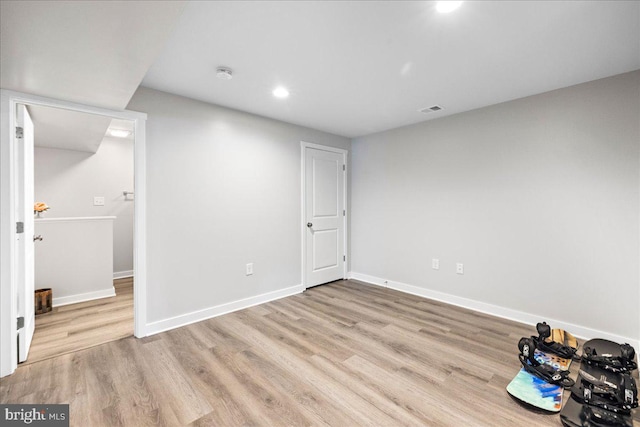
(431, 109)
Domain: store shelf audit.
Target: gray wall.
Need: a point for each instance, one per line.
(223, 190)
(538, 197)
(68, 180)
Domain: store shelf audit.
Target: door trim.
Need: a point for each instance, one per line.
(24, 161)
(8, 286)
(303, 228)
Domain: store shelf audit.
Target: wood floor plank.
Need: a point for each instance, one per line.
(83, 325)
(174, 384)
(391, 402)
(288, 356)
(207, 378)
(249, 395)
(137, 399)
(342, 354)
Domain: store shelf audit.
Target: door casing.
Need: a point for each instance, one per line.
(345, 153)
(8, 256)
(25, 247)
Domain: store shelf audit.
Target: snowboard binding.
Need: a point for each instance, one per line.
(605, 394)
(625, 362)
(527, 347)
(548, 345)
(592, 416)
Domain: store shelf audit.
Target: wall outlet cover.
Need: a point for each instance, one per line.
(98, 201)
(249, 270)
(435, 264)
(459, 268)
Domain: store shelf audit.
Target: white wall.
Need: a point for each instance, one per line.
(75, 258)
(68, 180)
(538, 197)
(223, 190)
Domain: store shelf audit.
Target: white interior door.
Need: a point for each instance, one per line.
(24, 241)
(324, 216)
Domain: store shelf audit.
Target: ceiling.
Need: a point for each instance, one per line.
(89, 52)
(352, 67)
(67, 130)
(357, 67)
(73, 130)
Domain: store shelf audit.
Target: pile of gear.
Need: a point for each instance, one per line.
(604, 393)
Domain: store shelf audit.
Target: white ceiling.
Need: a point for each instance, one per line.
(72, 130)
(353, 67)
(68, 130)
(357, 67)
(89, 52)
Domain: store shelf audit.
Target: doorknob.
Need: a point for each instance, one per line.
(38, 237)
(309, 225)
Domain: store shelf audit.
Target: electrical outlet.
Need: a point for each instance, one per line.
(98, 201)
(459, 268)
(249, 269)
(435, 264)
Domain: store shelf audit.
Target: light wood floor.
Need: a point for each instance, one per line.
(79, 326)
(344, 354)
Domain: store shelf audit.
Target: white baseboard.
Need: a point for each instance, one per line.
(581, 332)
(218, 310)
(73, 299)
(122, 274)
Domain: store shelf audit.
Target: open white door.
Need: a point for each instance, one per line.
(16, 252)
(24, 240)
(324, 211)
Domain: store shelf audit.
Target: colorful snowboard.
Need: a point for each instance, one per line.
(535, 391)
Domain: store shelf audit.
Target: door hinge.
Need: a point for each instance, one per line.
(344, 167)
(344, 213)
(19, 227)
(19, 132)
(20, 322)
(344, 257)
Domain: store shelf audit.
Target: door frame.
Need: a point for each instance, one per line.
(345, 157)
(8, 256)
(26, 162)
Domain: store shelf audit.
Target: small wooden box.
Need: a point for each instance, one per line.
(43, 300)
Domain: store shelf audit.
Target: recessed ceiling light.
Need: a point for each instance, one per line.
(280, 92)
(119, 133)
(447, 6)
(224, 73)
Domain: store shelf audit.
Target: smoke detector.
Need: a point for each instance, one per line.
(431, 109)
(224, 73)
